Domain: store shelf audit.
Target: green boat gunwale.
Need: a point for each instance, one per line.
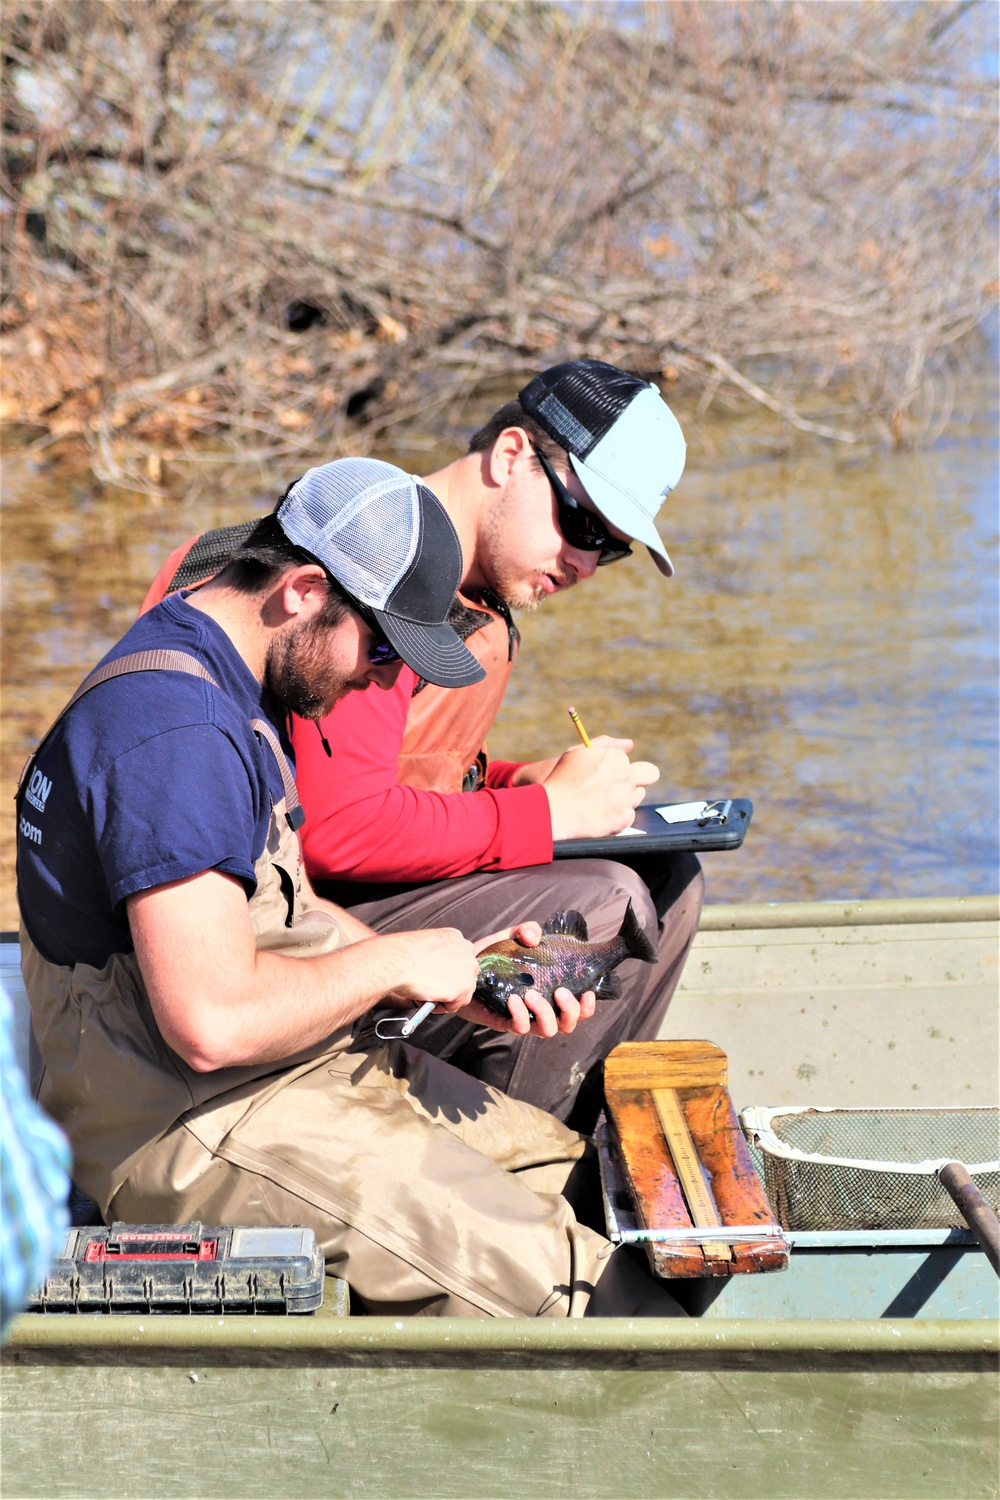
(965, 1344)
(877, 913)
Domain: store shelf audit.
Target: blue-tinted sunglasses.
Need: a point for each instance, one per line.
(582, 528)
(383, 653)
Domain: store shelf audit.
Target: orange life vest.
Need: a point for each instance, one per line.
(444, 746)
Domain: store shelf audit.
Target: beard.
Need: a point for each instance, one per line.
(515, 593)
(301, 671)
(508, 584)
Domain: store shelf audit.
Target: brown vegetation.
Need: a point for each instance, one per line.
(294, 225)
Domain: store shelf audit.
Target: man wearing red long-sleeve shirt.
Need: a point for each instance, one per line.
(408, 823)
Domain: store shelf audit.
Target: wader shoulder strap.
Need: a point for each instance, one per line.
(174, 661)
(136, 661)
(294, 811)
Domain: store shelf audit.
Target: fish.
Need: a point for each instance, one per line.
(565, 958)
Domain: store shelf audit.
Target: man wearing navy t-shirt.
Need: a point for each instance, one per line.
(196, 1009)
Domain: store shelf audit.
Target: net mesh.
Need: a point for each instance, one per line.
(878, 1181)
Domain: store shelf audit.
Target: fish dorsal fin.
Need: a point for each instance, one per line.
(568, 924)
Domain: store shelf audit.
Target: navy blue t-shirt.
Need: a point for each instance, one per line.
(151, 777)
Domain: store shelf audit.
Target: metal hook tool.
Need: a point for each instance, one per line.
(402, 1026)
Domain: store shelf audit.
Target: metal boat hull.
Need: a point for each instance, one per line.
(323, 1406)
(863, 1371)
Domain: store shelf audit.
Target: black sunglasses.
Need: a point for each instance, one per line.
(582, 528)
(383, 653)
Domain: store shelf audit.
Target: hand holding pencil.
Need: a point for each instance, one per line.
(593, 789)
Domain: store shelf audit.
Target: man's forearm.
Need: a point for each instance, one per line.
(296, 1003)
(219, 1002)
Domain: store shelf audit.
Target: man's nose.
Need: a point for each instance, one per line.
(583, 563)
(384, 677)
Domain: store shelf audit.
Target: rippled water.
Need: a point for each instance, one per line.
(828, 647)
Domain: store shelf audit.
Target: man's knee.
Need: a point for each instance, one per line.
(601, 889)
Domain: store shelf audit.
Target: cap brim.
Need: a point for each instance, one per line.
(433, 651)
(622, 512)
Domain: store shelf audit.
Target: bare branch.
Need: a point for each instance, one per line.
(316, 220)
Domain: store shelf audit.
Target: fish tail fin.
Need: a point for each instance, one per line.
(636, 942)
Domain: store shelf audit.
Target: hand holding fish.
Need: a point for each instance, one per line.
(442, 971)
(531, 978)
(540, 1012)
(439, 963)
(564, 959)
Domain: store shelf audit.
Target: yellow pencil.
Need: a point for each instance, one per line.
(578, 725)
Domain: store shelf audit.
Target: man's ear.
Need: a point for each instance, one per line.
(302, 592)
(508, 448)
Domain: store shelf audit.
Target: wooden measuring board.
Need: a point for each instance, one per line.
(685, 1158)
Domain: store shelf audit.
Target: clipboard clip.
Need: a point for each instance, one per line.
(716, 813)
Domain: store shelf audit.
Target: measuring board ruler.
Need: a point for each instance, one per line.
(686, 1161)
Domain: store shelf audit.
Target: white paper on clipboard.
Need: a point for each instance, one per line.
(682, 812)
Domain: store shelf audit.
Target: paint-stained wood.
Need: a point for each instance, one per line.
(676, 1126)
(660, 1065)
(656, 1191)
(738, 1191)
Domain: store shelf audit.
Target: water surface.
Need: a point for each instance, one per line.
(828, 647)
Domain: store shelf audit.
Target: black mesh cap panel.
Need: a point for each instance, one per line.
(579, 402)
(210, 554)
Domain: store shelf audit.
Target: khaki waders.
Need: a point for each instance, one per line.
(429, 1191)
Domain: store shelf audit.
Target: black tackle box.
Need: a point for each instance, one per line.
(185, 1268)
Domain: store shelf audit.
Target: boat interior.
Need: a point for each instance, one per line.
(880, 1006)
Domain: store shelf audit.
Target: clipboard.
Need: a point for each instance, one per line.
(723, 825)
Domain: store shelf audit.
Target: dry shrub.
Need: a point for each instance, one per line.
(294, 225)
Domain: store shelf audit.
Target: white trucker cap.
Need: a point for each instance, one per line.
(623, 441)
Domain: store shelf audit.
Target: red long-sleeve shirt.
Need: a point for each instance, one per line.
(361, 824)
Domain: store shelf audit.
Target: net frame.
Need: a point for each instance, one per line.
(824, 1190)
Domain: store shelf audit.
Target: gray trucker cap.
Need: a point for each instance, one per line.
(389, 542)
